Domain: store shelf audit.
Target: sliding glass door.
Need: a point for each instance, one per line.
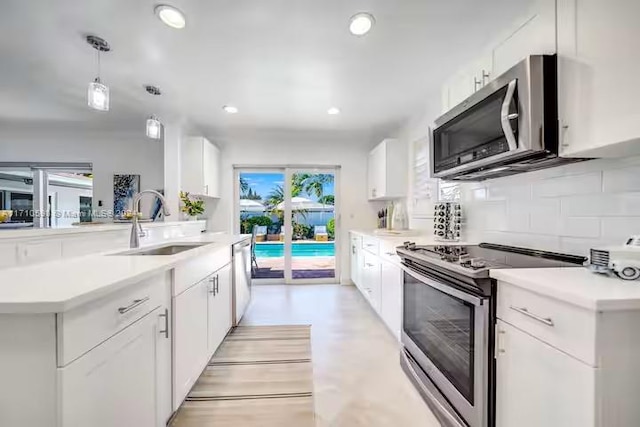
(292, 216)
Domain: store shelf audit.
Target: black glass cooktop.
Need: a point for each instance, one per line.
(499, 256)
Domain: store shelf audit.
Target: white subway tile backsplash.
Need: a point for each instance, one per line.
(579, 227)
(621, 180)
(620, 227)
(603, 204)
(545, 216)
(568, 185)
(570, 209)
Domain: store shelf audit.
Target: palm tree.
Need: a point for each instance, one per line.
(244, 185)
(328, 199)
(313, 184)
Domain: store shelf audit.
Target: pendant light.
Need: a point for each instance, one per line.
(98, 92)
(154, 125)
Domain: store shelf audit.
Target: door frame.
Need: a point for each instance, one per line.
(288, 171)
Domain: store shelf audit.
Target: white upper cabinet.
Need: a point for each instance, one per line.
(200, 165)
(534, 34)
(467, 81)
(387, 170)
(599, 67)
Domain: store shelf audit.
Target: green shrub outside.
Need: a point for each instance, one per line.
(331, 229)
(247, 224)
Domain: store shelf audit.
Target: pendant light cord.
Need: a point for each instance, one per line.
(98, 53)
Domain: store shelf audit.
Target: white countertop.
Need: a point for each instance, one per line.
(58, 286)
(91, 228)
(577, 286)
(419, 238)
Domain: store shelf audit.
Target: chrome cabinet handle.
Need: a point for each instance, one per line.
(370, 245)
(166, 323)
(212, 280)
(353, 249)
(485, 75)
(134, 304)
(504, 117)
(524, 311)
(369, 265)
(206, 189)
(390, 253)
(217, 284)
(477, 84)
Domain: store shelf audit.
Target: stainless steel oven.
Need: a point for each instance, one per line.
(508, 126)
(446, 327)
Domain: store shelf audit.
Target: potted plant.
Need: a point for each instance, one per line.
(192, 207)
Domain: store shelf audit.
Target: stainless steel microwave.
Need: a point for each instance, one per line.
(509, 126)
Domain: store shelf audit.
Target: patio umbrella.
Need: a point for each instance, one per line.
(247, 205)
(303, 204)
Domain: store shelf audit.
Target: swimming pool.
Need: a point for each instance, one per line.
(275, 250)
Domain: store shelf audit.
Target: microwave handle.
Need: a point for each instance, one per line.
(505, 117)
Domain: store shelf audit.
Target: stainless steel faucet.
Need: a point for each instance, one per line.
(136, 227)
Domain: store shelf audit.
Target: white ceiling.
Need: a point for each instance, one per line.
(281, 62)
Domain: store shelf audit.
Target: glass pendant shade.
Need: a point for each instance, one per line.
(154, 127)
(98, 96)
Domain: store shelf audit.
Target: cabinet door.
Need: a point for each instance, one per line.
(598, 88)
(391, 297)
(114, 384)
(211, 169)
(355, 247)
(219, 317)
(535, 35)
(163, 362)
(371, 282)
(192, 163)
(8, 255)
(538, 385)
(377, 172)
(191, 352)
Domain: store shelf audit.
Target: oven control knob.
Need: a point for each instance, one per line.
(477, 263)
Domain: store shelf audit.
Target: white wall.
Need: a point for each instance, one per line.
(350, 153)
(110, 152)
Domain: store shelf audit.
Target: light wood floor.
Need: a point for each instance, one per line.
(358, 380)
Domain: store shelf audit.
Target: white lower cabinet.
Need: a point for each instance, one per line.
(115, 383)
(190, 337)
(376, 274)
(202, 318)
(219, 308)
(391, 297)
(356, 247)
(539, 385)
(371, 280)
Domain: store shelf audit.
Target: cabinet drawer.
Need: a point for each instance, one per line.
(371, 244)
(388, 250)
(191, 272)
(81, 329)
(566, 327)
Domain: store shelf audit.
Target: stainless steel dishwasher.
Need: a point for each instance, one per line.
(241, 279)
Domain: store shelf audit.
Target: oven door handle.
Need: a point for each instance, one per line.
(445, 288)
(505, 117)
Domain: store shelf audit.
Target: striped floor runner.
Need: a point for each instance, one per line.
(260, 376)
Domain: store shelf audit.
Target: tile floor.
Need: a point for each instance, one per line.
(358, 380)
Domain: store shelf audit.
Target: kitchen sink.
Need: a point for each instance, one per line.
(172, 249)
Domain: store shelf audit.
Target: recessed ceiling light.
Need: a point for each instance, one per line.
(171, 16)
(361, 23)
(230, 109)
(333, 111)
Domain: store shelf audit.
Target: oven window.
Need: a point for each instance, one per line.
(475, 134)
(442, 326)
